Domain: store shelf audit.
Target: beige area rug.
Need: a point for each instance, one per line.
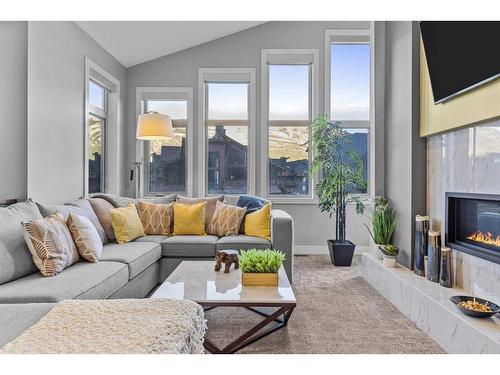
(337, 312)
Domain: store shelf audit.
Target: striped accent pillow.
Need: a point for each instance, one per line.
(226, 220)
(156, 218)
(50, 244)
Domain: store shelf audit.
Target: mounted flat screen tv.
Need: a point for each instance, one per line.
(460, 55)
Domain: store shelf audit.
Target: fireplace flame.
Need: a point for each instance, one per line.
(486, 238)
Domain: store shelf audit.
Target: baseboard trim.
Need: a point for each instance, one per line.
(320, 250)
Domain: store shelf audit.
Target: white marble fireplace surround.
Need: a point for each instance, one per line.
(466, 161)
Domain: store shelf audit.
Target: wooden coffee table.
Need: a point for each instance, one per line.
(197, 281)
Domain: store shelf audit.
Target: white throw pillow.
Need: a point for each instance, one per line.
(87, 239)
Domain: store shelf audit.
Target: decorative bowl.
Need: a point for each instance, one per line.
(476, 314)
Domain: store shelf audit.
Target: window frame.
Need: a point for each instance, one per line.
(355, 36)
(143, 94)
(224, 75)
(287, 57)
(110, 179)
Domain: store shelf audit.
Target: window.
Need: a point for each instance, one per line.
(227, 118)
(227, 133)
(290, 81)
(167, 158)
(349, 88)
(168, 163)
(97, 104)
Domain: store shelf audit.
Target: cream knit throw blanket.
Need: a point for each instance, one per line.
(115, 326)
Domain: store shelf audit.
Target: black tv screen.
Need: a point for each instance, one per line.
(461, 55)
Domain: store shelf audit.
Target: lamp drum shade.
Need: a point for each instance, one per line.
(154, 126)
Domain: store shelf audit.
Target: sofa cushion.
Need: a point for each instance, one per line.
(101, 208)
(82, 280)
(15, 257)
(189, 246)
(243, 242)
(80, 207)
(152, 238)
(119, 201)
(18, 317)
(137, 255)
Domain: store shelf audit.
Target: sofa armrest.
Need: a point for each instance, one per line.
(282, 238)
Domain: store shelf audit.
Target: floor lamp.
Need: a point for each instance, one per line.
(151, 126)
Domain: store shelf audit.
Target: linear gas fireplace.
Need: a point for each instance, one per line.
(473, 224)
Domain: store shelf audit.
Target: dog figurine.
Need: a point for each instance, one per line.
(228, 257)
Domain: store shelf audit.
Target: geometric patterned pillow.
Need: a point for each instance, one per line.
(87, 239)
(156, 218)
(226, 220)
(50, 244)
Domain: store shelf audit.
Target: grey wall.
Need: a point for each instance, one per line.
(243, 50)
(56, 55)
(406, 152)
(13, 95)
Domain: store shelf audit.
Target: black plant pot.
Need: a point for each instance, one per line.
(341, 252)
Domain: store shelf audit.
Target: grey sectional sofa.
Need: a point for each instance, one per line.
(130, 270)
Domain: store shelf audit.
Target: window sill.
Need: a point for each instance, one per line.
(365, 199)
(291, 200)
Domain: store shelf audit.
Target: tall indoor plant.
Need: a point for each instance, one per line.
(341, 174)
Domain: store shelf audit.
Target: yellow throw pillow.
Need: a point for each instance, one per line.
(258, 223)
(126, 223)
(189, 219)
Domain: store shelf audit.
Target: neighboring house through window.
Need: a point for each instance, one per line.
(227, 118)
(167, 163)
(289, 103)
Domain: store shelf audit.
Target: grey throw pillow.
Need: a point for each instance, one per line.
(16, 260)
(87, 240)
(80, 207)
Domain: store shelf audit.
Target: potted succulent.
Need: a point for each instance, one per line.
(341, 173)
(383, 222)
(260, 267)
(389, 255)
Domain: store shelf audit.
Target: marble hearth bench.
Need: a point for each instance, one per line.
(428, 305)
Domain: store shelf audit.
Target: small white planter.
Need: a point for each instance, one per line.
(389, 261)
(376, 251)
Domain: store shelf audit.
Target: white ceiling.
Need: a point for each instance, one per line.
(134, 42)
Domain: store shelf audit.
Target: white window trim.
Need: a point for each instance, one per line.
(286, 56)
(342, 36)
(143, 94)
(112, 146)
(225, 75)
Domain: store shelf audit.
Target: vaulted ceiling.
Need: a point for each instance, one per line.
(134, 42)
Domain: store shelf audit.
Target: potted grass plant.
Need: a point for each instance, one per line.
(341, 176)
(383, 222)
(390, 252)
(260, 267)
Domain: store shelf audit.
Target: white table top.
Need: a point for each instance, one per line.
(197, 281)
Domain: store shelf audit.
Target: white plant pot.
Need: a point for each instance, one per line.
(389, 261)
(376, 251)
